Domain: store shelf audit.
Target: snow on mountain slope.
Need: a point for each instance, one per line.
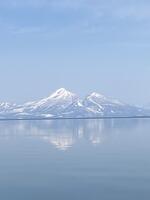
(77, 109)
(6, 109)
(4, 106)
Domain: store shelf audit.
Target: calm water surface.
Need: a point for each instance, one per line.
(75, 160)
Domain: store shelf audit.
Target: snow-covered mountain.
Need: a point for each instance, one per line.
(50, 106)
(65, 104)
(103, 106)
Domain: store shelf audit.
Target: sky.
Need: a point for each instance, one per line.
(82, 45)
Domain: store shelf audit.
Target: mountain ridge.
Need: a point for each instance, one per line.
(65, 104)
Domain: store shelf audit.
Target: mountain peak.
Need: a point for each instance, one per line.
(97, 95)
(101, 99)
(62, 92)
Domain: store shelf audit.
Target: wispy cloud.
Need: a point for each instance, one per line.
(27, 30)
(134, 12)
(109, 8)
(41, 3)
(91, 16)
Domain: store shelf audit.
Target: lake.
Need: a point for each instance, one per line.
(75, 159)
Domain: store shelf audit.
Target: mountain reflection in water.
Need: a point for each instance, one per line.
(63, 134)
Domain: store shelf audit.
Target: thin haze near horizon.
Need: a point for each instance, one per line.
(84, 46)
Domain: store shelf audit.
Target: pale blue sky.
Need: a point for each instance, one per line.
(82, 45)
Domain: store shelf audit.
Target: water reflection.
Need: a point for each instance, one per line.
(63, 134)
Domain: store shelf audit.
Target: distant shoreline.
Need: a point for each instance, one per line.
(74, 118)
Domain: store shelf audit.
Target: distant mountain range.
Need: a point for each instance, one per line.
(65, 104)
